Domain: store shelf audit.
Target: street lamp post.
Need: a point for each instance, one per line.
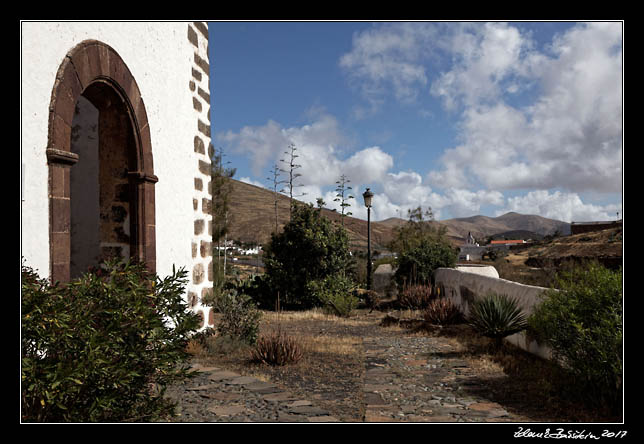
(367, 195)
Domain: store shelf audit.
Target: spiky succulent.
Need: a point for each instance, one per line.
(497, 316)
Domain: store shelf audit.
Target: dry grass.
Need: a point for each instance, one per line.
(332, 363)
(332, 345)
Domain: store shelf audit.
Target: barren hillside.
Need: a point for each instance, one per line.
(253, 220)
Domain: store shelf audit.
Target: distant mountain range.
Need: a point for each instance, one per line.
(252, 218)
(511, 225)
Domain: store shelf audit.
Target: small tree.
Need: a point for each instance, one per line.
(309, 248)
(320, 203)
(421, 249)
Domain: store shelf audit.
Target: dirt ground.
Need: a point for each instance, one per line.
(332, 367)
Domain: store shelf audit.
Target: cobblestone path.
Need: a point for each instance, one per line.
(407, 378)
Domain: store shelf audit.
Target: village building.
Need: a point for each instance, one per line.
(116, 148)
(470, 250)
(587, 227)
(508, 242)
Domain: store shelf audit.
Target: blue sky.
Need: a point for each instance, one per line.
(466, 118)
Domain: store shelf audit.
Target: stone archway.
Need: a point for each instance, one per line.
(96, 72)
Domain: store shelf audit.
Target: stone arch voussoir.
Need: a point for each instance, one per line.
(89, 62)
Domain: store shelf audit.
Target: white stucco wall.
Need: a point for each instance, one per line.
(160, 58)
(483, 270)
(456, 282)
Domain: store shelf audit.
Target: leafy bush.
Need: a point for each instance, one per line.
(93, 349)
(582, 324)
(416, 266)
(421, 249)
(415, 296)
(309, 248)
(335, 294)
(497, 316)
(442, 312)
(240, 316)
(277, 349)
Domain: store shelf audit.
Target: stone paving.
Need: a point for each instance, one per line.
(406, 379)
(231, 397)
(419, 379)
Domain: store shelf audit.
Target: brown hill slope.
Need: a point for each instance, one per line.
(484, 226)
(253, 220)
(606, 246)
(538, 263)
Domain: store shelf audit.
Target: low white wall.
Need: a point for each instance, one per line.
(483, 270)
(382, 280)
(464, 287)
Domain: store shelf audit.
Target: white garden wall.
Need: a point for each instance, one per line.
(464, 287)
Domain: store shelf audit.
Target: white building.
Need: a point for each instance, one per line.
(115, 148)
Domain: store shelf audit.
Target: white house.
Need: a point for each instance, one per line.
(115, 148)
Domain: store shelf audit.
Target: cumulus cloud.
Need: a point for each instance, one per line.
(569, 136)
(388, 59)
(260, 144)
(486, 55)
(320, 160)
(528, 118)
(567, 207)
(405, 190)
(567, 131)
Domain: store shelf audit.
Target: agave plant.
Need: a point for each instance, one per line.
(497, 316)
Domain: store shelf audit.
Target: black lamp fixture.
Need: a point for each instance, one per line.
(368, 195)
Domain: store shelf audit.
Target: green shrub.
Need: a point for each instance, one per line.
(421, 249)
(240, 316)
(416, 265)
(309, 248)
(442, 312)
(582, 324)
(92, 350)
(335, 294)
(497, 316)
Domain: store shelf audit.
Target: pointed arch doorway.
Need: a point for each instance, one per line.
(101, 174)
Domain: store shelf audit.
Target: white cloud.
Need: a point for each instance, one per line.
(569, 137)
(529, 118)
(567, 207)
(261, 144)
(250, 181)
(320, 160)
(486, 55)
(388, 58)
(569, 134)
